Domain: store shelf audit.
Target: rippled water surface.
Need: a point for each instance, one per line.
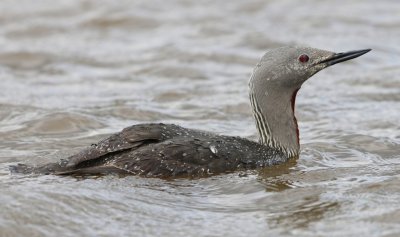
(74, 71)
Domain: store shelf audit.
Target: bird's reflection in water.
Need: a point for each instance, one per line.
(308, 207)
(272, 177)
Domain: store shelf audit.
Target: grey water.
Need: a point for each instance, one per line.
(74, 71)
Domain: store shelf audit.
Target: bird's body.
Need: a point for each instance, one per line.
(166, 150)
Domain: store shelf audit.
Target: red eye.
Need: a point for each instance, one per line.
(304, 58)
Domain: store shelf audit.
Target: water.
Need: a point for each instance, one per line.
(74, 71)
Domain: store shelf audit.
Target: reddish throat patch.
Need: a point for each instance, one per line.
(293, 101)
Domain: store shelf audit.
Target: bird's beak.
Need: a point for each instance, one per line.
(341, 57)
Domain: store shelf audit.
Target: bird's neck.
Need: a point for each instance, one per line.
(275, 118)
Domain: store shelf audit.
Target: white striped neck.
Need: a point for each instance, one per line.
(274, 113)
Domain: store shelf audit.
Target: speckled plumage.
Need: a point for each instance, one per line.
(166, 150)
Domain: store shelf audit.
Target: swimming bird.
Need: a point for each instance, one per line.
(168, 150)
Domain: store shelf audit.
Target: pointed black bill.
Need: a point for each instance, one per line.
(341, 57)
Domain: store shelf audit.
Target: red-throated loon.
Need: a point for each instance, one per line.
(167, 150)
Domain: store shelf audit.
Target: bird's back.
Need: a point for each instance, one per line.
(165, 150)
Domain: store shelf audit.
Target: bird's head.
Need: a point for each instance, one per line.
(290, 67)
